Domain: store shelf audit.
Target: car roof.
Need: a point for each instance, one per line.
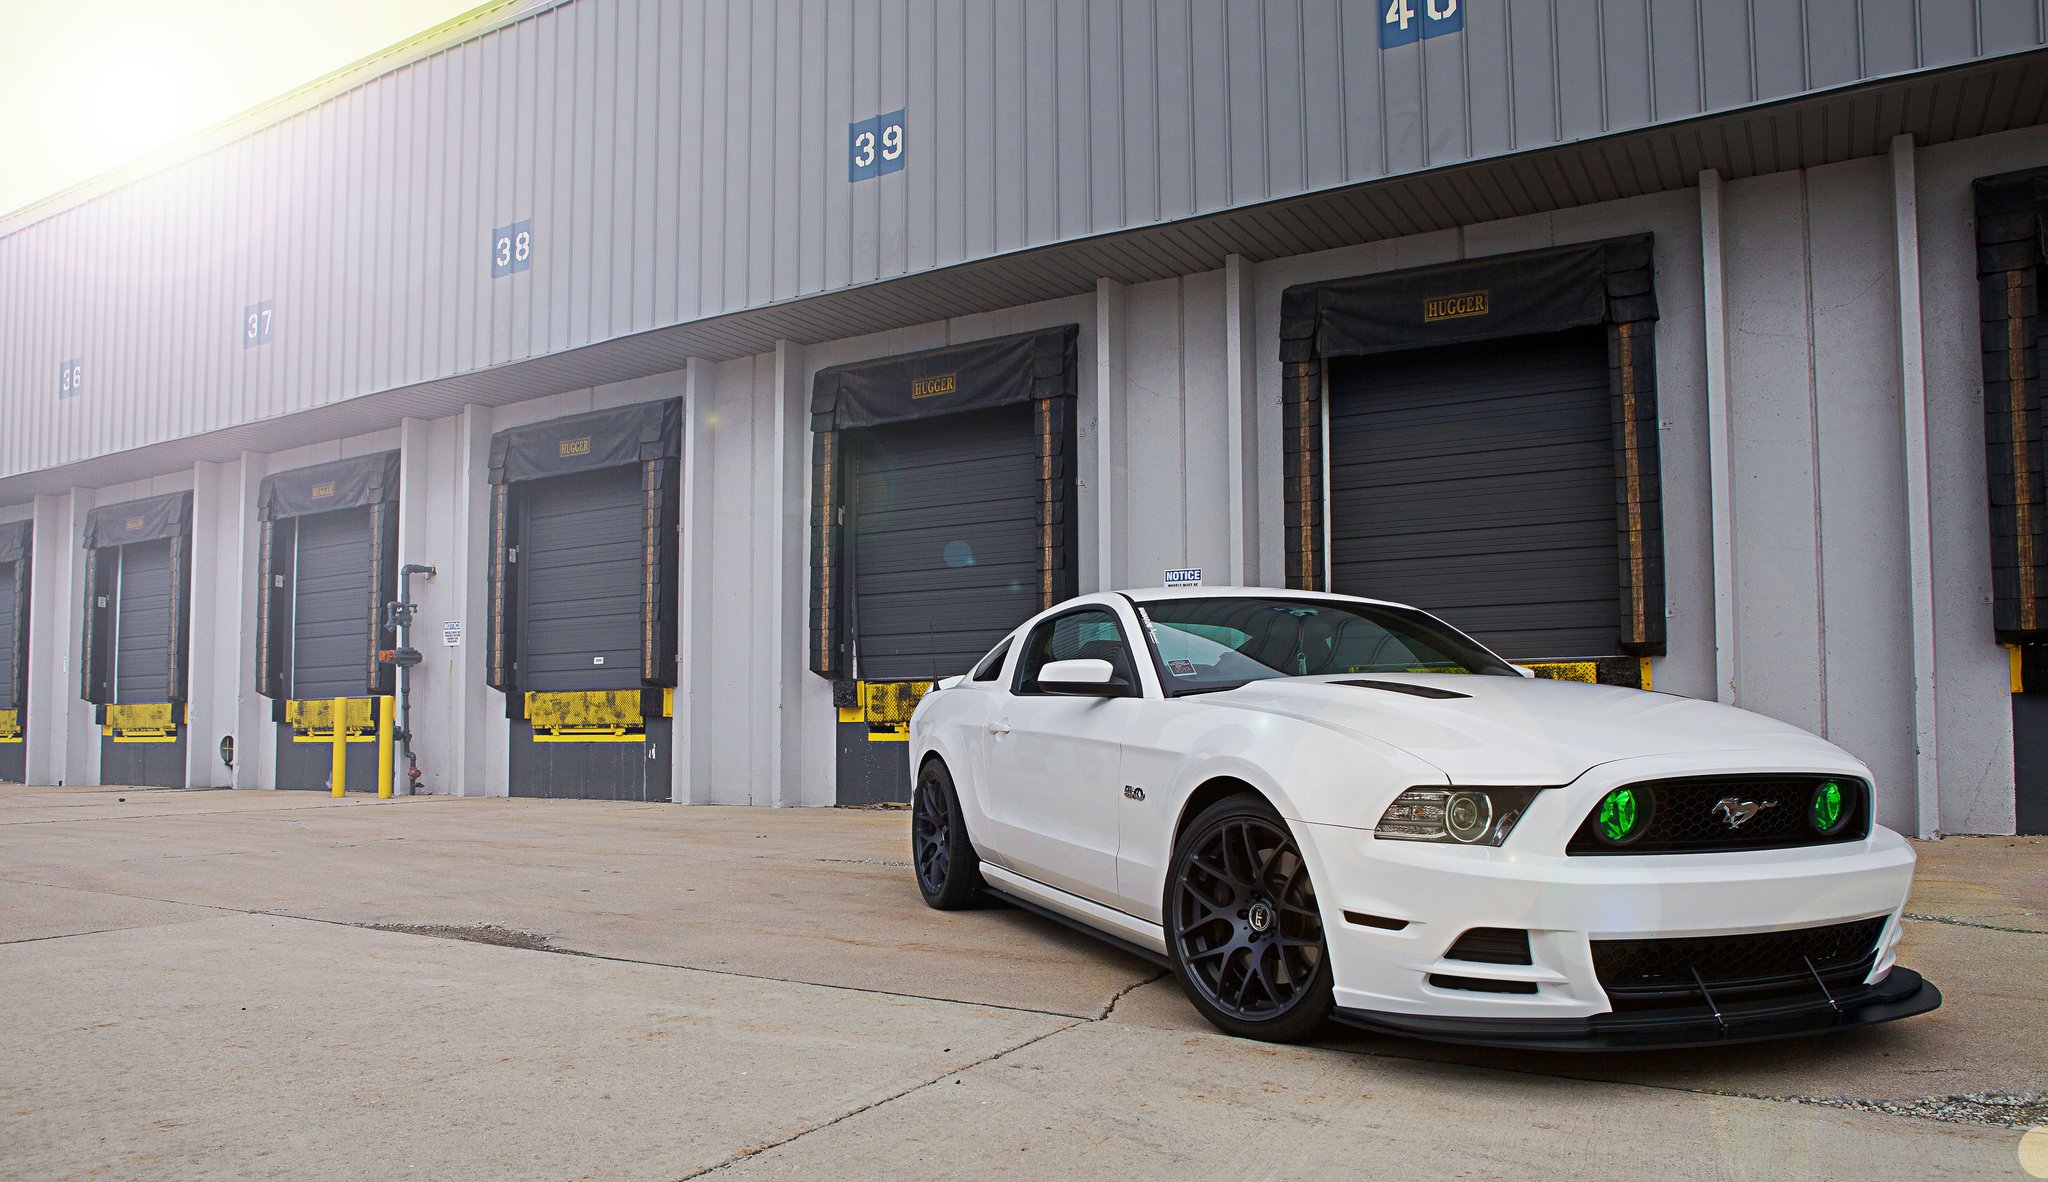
(1159, 594)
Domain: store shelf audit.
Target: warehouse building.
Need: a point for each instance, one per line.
(731, 369)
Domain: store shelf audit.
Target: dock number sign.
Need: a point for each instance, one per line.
(874, 147)
(512, 249)
(1404, 22)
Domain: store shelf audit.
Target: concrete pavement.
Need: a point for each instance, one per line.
(214, 984)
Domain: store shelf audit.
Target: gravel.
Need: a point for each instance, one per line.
(2012, 1110)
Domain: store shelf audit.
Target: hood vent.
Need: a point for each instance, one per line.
(1401, 687)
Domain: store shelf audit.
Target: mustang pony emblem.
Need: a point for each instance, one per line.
(1738, 812)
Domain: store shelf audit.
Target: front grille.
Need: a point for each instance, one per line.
(1685, 816)
(1764, 967)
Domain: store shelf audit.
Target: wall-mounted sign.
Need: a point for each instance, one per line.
(1404, 22)
(874, 147)
(451, 633)
(256, 324)
(512, 249)
(1191, 577)
(71, 378)
(1456, 307)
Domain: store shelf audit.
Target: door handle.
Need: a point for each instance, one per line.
(999, 728)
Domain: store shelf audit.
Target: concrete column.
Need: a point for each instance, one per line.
(425, 536)
(1110, 445)
(689, 774)
(474, 717)
(210, 614)
(1720, 484)
(255, 734)
(1242, 425)
(791, 781)
(1919, 514)
(82, 731)
(52, 639)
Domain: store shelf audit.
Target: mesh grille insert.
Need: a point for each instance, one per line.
(1693, 815)
(1765, 966)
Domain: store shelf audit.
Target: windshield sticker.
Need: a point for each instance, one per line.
(1181, 668)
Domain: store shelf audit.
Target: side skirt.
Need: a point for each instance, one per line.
(1135, 936)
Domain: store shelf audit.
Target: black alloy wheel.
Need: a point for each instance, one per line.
(1243, 927)
(948, 871)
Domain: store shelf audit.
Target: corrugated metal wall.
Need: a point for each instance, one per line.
(681, 160)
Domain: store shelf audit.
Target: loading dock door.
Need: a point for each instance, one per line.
(945, 540)
(7, 625)
(142, 622)
(334, 596)
(1477, 481)
(581, 559)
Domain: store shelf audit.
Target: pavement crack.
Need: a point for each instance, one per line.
(1119, 995)
(756, 1150)
(1972, 923)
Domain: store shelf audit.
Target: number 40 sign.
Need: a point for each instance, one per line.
(1404, 22)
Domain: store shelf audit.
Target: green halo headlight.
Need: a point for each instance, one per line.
(1830, 808)
(1622, 816)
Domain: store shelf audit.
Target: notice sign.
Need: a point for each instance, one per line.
(451, 633)
(1192, 577)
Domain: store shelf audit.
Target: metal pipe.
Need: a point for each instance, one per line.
(402, 613)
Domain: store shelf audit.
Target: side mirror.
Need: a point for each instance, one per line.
(1086, 677)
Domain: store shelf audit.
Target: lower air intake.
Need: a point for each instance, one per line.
(1725, 971)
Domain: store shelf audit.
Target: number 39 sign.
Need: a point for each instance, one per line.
(875, 147)
(1403, 22)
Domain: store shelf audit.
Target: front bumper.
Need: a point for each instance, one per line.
(1901, 994)
(1392, 910)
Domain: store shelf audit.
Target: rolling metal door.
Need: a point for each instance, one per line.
(330, 610)
(7, 619)
(581, 559)
(945, 540)
(1477, 481)
(142, 623)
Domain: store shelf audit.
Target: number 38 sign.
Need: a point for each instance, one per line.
(512, 249)
(1406, 21)
(874, 147)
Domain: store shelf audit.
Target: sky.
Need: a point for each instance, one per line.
(88, 85)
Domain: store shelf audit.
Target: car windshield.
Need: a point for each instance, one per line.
(1205, 644)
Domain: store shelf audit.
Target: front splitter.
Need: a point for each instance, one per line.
(1902, 994)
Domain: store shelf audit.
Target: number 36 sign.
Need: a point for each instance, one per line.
(874, 147)
(1403, 22)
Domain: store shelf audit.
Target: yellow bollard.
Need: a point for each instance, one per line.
(340, 772)
(384, 748)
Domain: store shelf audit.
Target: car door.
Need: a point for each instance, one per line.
(1054, 761)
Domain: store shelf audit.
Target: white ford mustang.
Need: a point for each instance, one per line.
(1315, 806)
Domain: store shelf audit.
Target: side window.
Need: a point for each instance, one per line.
(991, 666)
(1090, 634)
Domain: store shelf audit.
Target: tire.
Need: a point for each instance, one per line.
(1242, 925)
(943, 859)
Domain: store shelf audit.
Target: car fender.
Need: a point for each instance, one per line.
(1306, 770)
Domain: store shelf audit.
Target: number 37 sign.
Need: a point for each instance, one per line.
(1405, 21)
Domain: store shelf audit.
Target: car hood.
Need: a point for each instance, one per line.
(1515, 730)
